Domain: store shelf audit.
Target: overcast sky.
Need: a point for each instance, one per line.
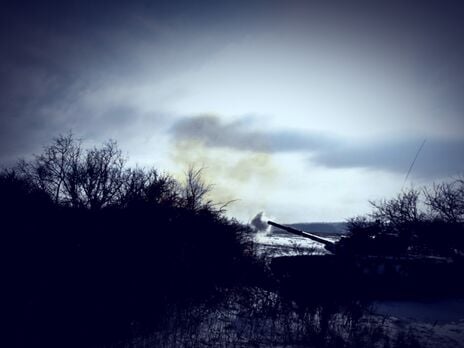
(303, 110)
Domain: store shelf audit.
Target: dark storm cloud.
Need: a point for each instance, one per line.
(438, 157)
(212, 132)
(55, 52)
(49, 55)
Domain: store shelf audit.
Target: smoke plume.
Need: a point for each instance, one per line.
(259, 223)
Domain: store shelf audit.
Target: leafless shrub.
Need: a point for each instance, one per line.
(400, 210)
(71, 176)
(101, 176)
(446, 201)
(149, 186)
(56, 170)
(195, 190)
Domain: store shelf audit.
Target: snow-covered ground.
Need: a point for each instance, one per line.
(272, 244)
(435, 323)
(255, 317)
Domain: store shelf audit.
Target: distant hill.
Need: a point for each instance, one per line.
(326, 228)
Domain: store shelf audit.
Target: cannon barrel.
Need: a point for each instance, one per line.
(328, 245)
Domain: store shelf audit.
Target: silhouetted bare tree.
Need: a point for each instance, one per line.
(98, 177)
(195, 190)
(55, 171)
(446, 201)
(162, 189)
(400, 210)
(101, 176)
(71, 176)
(149, 186)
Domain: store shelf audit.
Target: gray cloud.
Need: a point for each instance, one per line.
(439, 157)
(211, 131)
(54, 55)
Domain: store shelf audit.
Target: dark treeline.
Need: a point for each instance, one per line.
(427, 221)
(409, 247)
(96, 251)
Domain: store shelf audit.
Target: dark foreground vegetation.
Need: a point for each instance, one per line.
(99, 254)
(95, 250)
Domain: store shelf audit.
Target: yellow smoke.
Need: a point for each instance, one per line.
(232, 173)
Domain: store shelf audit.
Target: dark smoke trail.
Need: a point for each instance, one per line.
(413, 162)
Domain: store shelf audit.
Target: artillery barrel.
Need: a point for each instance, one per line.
(329, 245)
